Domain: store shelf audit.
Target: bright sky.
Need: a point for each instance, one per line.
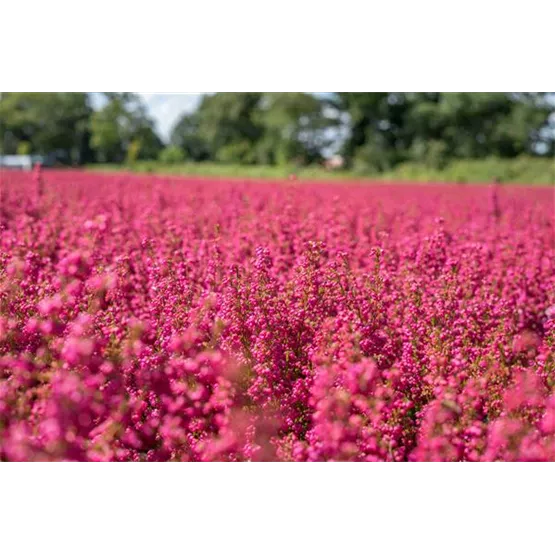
(164, 108)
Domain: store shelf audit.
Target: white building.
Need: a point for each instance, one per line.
(334, 162)
(21, 162)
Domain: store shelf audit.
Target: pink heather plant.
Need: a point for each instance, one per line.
(158, 319)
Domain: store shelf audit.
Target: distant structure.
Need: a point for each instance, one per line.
(23, 161)
(334, 162)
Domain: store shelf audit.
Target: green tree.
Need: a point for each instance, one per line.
(264, 128)
(122, 130)
(24, 148)
(186, 137)
(377, 134)
(434, 128)
(49, 123)
(365, 111)
(228, 125)
(295, 128)
(172, 154)
(110, 135)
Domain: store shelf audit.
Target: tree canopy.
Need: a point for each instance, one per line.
(378, 130)
(389, 128)
(45, 123)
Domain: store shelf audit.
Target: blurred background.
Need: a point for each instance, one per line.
(463, 137)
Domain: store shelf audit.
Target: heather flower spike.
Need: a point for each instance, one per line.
(146, 318)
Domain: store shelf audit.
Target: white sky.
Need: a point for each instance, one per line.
(164, 108)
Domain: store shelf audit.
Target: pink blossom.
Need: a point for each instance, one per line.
(154, 319)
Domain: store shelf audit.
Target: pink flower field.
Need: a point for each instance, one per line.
(170, 319)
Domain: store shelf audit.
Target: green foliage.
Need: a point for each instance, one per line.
(64, 125)
(108, 134)
(228, 125)
(24, 147)
(51, 123)
(384, 133)
(133, 151)
(122, 129)
(171, 155)
(294, 129)
(151, 145)
(185, 136)
(433, 129)
(237, 151)
(248, 128)
(524, 170)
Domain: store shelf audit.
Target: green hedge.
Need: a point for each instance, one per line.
(524, 170)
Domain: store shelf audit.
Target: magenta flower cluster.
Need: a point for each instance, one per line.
(165, 319)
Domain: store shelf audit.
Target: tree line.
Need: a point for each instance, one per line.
(373, 131)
